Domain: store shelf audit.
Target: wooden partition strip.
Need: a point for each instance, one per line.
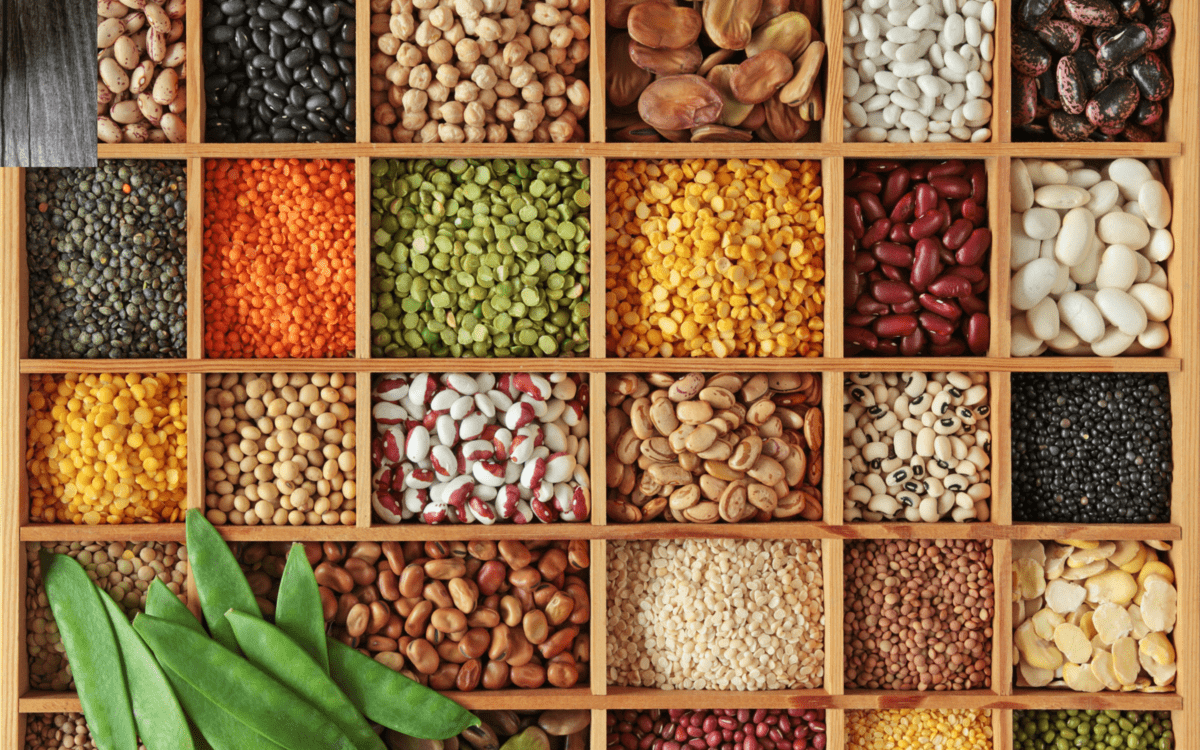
(195, 258)
(1002, 628)
(835, 657)
(835, 729)
(1002, 735)
(598, 585)
(1002, 73)
(363, 259)
(598, 731)
(12, 583)
(832, 24)
(598, 471)
(832, 182)
(196, 468)
(831, 482)
(363, 45)
(999, 200)
(597, 114)
(1000, 384)
(193, 31)
(598, 216)
(362, 451)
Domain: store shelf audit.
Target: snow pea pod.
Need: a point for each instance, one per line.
(92, 650)
(394, 700)
(220, 729)
(219, 580)
(234, 684)
(161, 603)
(271, 650)
(298, 610)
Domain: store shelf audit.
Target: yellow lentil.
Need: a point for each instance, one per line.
(936, 728)
(709, 258)
(106, 448)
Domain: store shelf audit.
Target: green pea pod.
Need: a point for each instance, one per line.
(394, 700)
(298, 610)
(160, 721)
(237, 686)
(220, 729)
(219, 579)
(271, 650)
(92, 651)
(162, 603)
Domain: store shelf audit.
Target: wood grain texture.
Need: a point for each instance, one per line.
(47, 94)
(12, 466)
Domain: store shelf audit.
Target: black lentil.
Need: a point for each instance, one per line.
(279, 71)
(1092, 730)
(107, 256)
(1091, 447)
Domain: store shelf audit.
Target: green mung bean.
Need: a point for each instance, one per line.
(1092, 730)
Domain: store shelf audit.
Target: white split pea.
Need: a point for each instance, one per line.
(918, 71)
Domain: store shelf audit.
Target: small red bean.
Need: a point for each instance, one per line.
(974, 212)
(906, 307)
(945, 308)
(973, 305)
(978, 178)
(861, 337)
(913, 344)
(868, 305)
(900, 233)
(919, 170)
(973, 274)
(891, 292)
(895, 273)
(927, 263)
(951, 168)
(866, 182)
(865, 262)
(877, 232)
(871, 206)
(853, 216)
(880, 165)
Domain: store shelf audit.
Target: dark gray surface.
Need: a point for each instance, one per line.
(47, 83)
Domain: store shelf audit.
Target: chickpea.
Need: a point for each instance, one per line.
(466, 92)
(474, 134)
(468, 8)
(414, 100)
(438, 92)
(532, 92)
(474, 115)
(380, 24)
(379, 63)
(516, 50)
(403, 26)
(420, 77)
(580, 28)
(505, 89)
(396, 74)
(385, 114)
(524, 119)
(577, 93)
(441, 18)
(409, 55)
(388, 44)
(447, 75)
(488, 29)
(562, 128)
(428, 133)
(426, 34)
(496, 133)
(485, 77)
(452, 112)
(540, 62)
(506, 109)
(467, 50)
(455, 33)
(441, 52)
(555, 105)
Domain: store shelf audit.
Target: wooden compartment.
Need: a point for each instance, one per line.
(1182, 169)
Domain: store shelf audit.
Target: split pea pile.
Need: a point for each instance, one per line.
(279, 449)
(59, 732)
(946, 729)
(919, 614)
(715, 258)
(715, 614)
(105, 448)
(124, 570)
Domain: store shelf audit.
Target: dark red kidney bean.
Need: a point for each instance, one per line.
(858, 320)
(880, 165)
(943, 207)
(891, 292)
(900, 233)
(853, 216)
(981, 286)
(927, 199)
(877, 232)
(926, 226)
(912, 345)
(943, 307)
(926, 263)
(975, 212)
(852, 286)
(871, 206)
(897, 183)
(904, 308)
(894, 326)
(892, 254)
(949, 285)
(865, 262)
(868, 305)
(976, 246)
(973, 274)
(952, 349)
(861, 337)
(978, 333)
(977, 176)
(887, 349)
(867, 182)
(957, 233)
(972, 304)
(951, 168)
(895, 273)
(939, 339)
(935, 324)
(904, 208)
(919, 170)
(946, 255)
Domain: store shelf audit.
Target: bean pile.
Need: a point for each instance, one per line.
(459, 448)
(107, 256)
(141, 96)
(715, 258)
(919, 614)
(1085, 622)
(1092, 730)
(278, 258)
(105, 448)
(723, 448)
(917, 446)
(478, 71)
(124, 570)
(754, 72)
(916, 274)
(962, 729)
(716, 614)
(563, 729)
(279, 71)
(480, 258)
(720, 729)
(1090, 70)
(279, 449)
(450, 615)
(1091, 447)
(1088, 247)
(59, 732)
(918, 72)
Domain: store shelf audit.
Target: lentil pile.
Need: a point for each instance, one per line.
(712, 258)
(946, 729)
(278, 258)
(723, 729)
(104, 448)
(530, 729)
(1091, 447)
(59, 732)
(123, 569)
(919, 614)
(107, 256)
(1092, 730)
(480, 258)
(141, 96)
(715, 614)
(279, 449)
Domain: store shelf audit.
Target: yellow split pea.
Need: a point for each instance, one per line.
(106, 448)
(714, 258)
(934, 728)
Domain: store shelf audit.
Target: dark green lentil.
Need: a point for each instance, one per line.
(1092, 730)
(107, 268)
(480, 258)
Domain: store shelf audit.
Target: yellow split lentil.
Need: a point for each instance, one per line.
(709, 258)
(935, 728)
(106, 448)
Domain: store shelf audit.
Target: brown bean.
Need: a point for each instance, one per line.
(553, 564)
(465, 594)
(483, 617)
(664, 26)
(418, 619)
(490, 577)
(495, 675)
(335, 552)
(445, 569)
(577, 554)
(389, 585)
(391, 659)
(469, 674)
(404, 606)
(436, 592)
(395, 626)
(357, 620)
(412, 580)
(448, 651)
(363, 572)
(758, 77)
(501, 644)
(558, 643)
(380, 643)
(444, 676)
(334, 577)
(582, 649)
(543, 593)
(395, 556)
(437, 550)
(535, 626)
(511, 611)
(528, 675)
(448, 620)
(583, 606)
(515, 554)
(475, 643)
(312, 551)
(562, 674)
(329, 603)
(521, 651)
(559, 608)
(345, 603)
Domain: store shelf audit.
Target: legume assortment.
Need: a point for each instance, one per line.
(726, 447)
(519, 611)
(917, 446)
(106, 250)
(727, 729)
(485, 448)
(1094, 730)
(1092, 616)
(279, 449)
(1089, 240)
(104, 448)
(141, 96)
(278, 258)
(715, 258)
(480, 258)
(717, 614)
(527, 729)
(960, 729)
(916, 274)
(478, 71)
(124, 570)
(1091, 447)
(919, 614)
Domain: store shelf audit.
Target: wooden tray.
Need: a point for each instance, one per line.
(1179, 360)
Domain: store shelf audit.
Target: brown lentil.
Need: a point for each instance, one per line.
(59, 732)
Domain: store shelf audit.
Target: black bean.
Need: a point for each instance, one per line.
(321, 78)
(284, 73)
(322, 42)
(269, 12)
(283, 135)
(297, 58)
(337, 95)
(330, 15)
(219, 34)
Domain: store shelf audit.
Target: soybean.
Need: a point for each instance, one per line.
(298, 610)
(480, 258)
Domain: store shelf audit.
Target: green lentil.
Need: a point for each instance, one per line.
(1066, 729)
(107, 257)
(480, 258)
